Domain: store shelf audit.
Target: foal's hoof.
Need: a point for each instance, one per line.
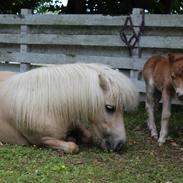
(154, 134)
(161, 141)
(1, 144)
(154, 137)
(160, 144)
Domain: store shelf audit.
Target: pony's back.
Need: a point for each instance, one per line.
(70, 92)
(67, 91)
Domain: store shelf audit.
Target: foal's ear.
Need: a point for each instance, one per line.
(171, 58)
(175, 57)
(103, 82)
(173, 75)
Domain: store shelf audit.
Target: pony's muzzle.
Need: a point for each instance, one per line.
(120, 146)
(114, 145)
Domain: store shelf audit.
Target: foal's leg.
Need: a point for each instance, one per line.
(150, 107)
(68, 147)
(166, 113)
(157, 97)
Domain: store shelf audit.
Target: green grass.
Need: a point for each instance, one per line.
(143, 162)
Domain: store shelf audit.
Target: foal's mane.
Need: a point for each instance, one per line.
(176, 63)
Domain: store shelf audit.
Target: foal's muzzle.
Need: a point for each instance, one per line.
(114, 145)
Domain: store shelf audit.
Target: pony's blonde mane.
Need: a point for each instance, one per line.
(122, 90)
(70, 92)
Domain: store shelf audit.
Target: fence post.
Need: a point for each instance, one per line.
(136, 52)
(24, 48)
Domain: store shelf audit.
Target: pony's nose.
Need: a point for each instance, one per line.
(120, 146)
(179, 96)
(116, 146)
(107, 144)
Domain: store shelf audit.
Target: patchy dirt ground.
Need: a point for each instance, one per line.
(143, 162)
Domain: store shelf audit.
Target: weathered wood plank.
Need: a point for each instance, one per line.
(69, 20)
(82, 40)
(72, 20)
(173, 20)
(91, 20)
(140, 85)
(24, 48)
(168, 42)
(10, 38)
(38, 58)
(10, 19)
(9, 67)
(56, 39)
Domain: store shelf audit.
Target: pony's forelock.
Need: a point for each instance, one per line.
(121, 88)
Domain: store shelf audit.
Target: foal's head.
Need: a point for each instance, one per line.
(176, 69)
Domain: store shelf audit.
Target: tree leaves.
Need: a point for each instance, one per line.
(106, 7)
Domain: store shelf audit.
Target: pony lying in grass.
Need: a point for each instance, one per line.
(45, 106)
(162, 74)
(6, 74)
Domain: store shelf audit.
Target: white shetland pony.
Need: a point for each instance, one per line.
(43, 106)
(6, 74)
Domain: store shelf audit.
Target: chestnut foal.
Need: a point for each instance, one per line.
(162, 74)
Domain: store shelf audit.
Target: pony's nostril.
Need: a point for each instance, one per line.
(108, 145)
(120, 146)
(115, 146)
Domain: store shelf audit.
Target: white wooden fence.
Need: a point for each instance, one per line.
(30, 40)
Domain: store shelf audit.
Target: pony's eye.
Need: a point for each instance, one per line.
(110, 108)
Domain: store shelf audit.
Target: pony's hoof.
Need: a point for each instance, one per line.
(1, 144)
(72, 148)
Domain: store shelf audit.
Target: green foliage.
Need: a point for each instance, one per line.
(143, 162)
(119, 7)
(114, 7)
(178, 7)
(45, 6)
(14, 6)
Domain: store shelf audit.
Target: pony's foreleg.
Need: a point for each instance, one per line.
(166, 113)
(86, 137)
(80, 135)
(150, 107)
(60, 145)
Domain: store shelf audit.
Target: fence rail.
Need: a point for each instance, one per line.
(58, 39)
(88, 20)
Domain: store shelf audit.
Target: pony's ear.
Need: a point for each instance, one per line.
(103, 82)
